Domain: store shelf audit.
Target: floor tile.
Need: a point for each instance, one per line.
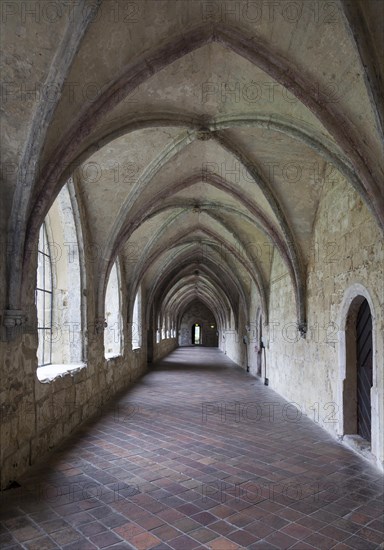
(184, 472)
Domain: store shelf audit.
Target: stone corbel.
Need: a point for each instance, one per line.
(13, 322)
(303, 328)
(100, 325)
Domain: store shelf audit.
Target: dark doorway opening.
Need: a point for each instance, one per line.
(259, 332)
(364, 370)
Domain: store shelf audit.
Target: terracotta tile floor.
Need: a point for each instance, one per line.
(197, 454)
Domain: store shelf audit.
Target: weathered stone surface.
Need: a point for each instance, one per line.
(198, 151)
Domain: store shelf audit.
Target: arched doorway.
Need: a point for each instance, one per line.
(259, 336)
(359, 369)
(196, 334)
(364, 370)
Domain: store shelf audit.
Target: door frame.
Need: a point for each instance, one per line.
(347, 413)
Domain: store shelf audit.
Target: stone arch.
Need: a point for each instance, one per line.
(166, 280)
(254, 51)
(67, 334)
(136, 316)
(113, 333)
(257, 53)
(125, 224)
(44, 113)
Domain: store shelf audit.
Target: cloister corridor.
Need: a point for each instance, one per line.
(197, 454)
(191, 274)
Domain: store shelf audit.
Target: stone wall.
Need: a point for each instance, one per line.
(164, 347)
(232, 344)
(255, 353)
(37, 416)
(199, 313)
(347, 250)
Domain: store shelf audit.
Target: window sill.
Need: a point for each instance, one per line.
(48, 373)
(109, 356)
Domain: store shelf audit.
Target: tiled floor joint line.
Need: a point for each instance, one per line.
(197, 455)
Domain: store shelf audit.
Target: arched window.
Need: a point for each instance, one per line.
(136, 321)
(158, 330)
(59, 302)
(43, 299)
(167, 328)
(113, 334)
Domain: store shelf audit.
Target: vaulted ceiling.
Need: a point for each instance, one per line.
(199, 136)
